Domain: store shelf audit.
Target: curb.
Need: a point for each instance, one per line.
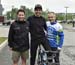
(3, 45)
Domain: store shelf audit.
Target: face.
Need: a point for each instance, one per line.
(38, 12)
(51, 17)
(21, 16)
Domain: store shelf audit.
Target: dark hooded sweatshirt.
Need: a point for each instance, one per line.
(18, 38)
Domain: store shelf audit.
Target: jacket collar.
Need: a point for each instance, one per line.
(20, 21)
(52, 23)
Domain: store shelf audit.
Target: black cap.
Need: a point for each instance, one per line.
(38, 6)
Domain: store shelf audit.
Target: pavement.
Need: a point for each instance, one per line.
(6, 57)
(67, 56)
(68, 27)
(4, 31)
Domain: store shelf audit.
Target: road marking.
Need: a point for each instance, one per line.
(2, 45)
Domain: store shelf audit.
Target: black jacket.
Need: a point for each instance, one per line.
(37, 26)
(18, 38)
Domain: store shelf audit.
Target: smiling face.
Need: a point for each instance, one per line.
(51, 17)
(21, 16)
(38, 12)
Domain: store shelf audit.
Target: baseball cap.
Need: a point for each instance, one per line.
(38, 6)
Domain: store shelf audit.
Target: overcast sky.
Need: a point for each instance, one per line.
(51, 5)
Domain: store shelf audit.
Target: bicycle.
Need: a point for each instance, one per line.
(43, 58)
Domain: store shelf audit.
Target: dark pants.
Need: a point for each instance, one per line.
(34, 46)
(56, 59)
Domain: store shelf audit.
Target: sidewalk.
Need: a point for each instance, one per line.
(68, 27)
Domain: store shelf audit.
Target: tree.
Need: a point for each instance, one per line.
(11, 14)
(8, 15)
(60, 16)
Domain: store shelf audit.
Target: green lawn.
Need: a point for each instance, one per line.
(2, 39)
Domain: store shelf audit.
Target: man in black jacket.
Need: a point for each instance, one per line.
(37, 25)
(18, 39)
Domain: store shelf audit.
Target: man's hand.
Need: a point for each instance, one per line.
(46, 34)
(59, 49)
(10, 48)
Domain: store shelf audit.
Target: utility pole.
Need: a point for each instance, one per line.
(73, 20)
(66, 13)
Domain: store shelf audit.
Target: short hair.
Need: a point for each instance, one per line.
(20, 10)
(52, 13)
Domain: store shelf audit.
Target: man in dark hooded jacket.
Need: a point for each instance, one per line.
(18, 39)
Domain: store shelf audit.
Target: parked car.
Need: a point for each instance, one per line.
(6, 23)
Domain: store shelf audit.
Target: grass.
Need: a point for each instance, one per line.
(2, 39)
